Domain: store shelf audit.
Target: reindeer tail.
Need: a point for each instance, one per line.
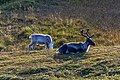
(30, 36)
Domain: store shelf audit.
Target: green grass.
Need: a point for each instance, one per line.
(15, 34)
(16, 27)
(99, 63)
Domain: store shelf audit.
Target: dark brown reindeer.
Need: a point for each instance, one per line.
(77, 47)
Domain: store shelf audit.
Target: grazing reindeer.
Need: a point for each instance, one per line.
(40, 39)
(72, 48)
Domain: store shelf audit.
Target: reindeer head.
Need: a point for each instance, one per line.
(88, 37)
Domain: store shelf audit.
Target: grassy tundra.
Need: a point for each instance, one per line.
(17, 24)
(99, 63)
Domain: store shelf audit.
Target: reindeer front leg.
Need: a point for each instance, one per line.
(47, 48)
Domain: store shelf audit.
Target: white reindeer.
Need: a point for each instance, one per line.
(40, 39)
(72, 48)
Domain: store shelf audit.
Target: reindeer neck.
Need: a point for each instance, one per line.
(86, 46)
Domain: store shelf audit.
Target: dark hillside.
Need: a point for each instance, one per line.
(103, 13)
(60, 18)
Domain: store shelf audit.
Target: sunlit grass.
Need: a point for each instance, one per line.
(98, 63)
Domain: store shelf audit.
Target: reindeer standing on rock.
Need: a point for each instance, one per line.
(72, 48)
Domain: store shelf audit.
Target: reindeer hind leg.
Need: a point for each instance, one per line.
(31, 44)
(62, 49)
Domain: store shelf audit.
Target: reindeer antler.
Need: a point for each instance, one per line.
(87, 33)
(82, 33)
